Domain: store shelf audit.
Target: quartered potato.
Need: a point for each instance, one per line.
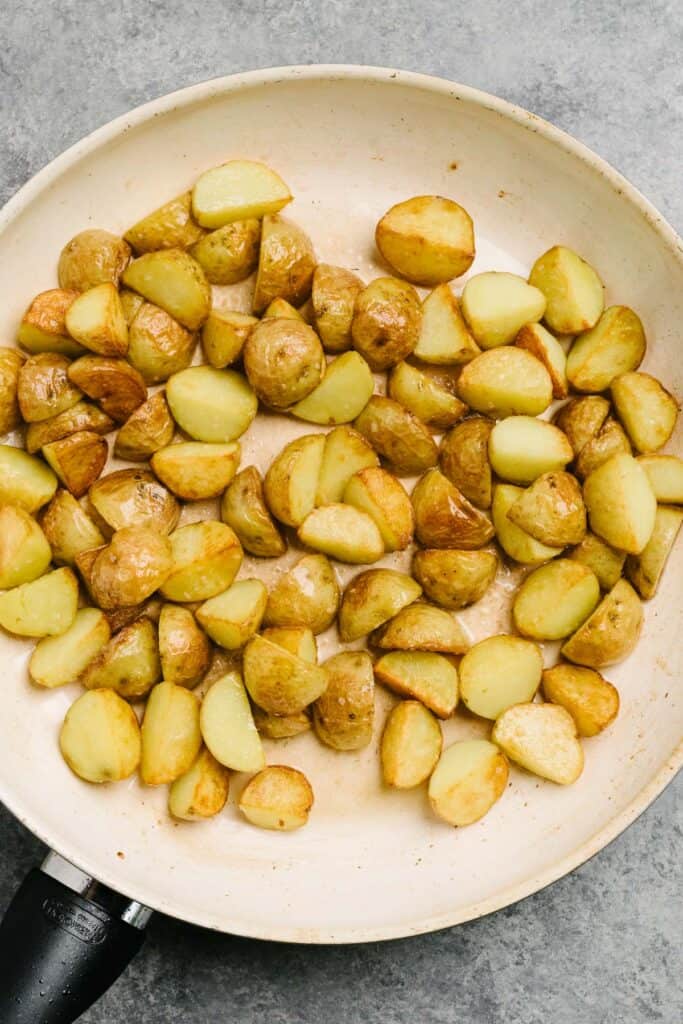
(444, 518)
(278, 681)
(555, 599)
(645, 569)
(573, 290)
(146, 430)
(57, 660)
(100, 737)
(498, 672)
(194, 470)
(91, 258)
(211, 405)
(229, 254)
(496, 305)
(453, 578)
(44, 607)
(202, 792)
(298, 640)
(11, 362)
(592, 702)
(581, 419)
(129, 663)
(611, 632)
(334, 294)
(547, 349)
(444, 337)
(621, 505)
(385, 500)
(236, 190)
(77, 460)
(552, 510)
(470, 777)
(81, 416)
(69, 529)
(343, 715)
(114, 384)
(282, 309)
(232, 617)
(286, 264)
(665, 473)
(158, 345)
(421, 627)
(280, 727)
(386, 322)
(24, 549)
(43, 389)
(136, 562)
(506, 382)
(206, 557)
(541, 738)
(291, 482)
(283, 361)
(305, 595)
(422, 675)
(427, 239)
(464, 459)
(24, 480)
(43, 325)
(345, 453)
(646, 409)
(223, 336)
(169, 227)
(244, 508)
(228, 727)
(429, 393)
(134, 497)
(96, 321)
(130, 304)
(171, 279)
(411, 745)
(397, 435)
(278, 798)
(171, 737)
(610, 440)
(604, 561)
(522, 448)
(184, 650)
(372, 598)
(614, 346)
(342, 532)
(515, 542)
(341, 395)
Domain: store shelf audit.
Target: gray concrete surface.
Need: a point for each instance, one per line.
(602, 946)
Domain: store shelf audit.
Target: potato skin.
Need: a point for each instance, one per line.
(43, 325)
(343, 715)
(405, 238)
(229, 254)
(278, 798)
(168, 227)
(184, 649)
(134, 565)
(134, 497)
(454, 578)
(286, 263)
(128, 664)
(610, 633)
(334, 295)
(10, 366)
(464, 460)
(552, 510)
(581, 419)
(43, 388)
(113, 383)
(77, 459)
(243, 507)
(147, 429)
(81, 416)
(69, 529)
(386, 322)
(444, 518)
(398, 436)
(92, 257)
(158, 345)
(306, 595)
(428, 392)
(283, 360)
(592, 702)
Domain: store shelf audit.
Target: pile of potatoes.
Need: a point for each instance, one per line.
(140, 605)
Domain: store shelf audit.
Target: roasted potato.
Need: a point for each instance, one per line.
(421, 627)
(291, 482)
(297, 640)
(284, 310)
(69, 529)
(581, 419)
(610, 440)
(278, 798)
(425, 676)
(158, 345)
(130, 304)
(136, 562)
(428, 392)
(372, 598)
(169, 227)
(279, 681)
(386, 322)
(345, 453)
(552, 510)
(81, 416)
(604, 561)
(96, 321)
(541, 738)
(522, 448)
(43, 389)
(206, 557)
(665, 473)
(57, 660)
(514, 541)
(43, 325)
(592, 702)
(286, 264)
(146, 430)
(555, 599)
(444, 518)
(171, 738)
(232, 617)
(280, 727)
(113, 383)
(171, 279)
(384, 499)
(646, 409)
(464, 460)
(194, 470)
(397, 435)
(24, 549)
(341, 395)
(496, 305)
(454, 579)
(77, 460)
(129, 663)
(184, 650)
(614, 346)
(100, 737)
(11, 363)
(237, 190)
(334, 294)
(228, 726)
(506, 382)
(229, 254)
(444, 338)
(620, 503)
(573, 290)
(427, 239)
(91, 258)
(547, 349)
(306, 595)
(223, 336)
(134, 497)
(645, 569)
(202, 792)
(498, 672)
(24, 480)
(468, 780)
(244, 508)
(44, 607)
(342, 532)
(283, 360)
(343, 715)
(211, 405)
(611, 632)
(411, 745)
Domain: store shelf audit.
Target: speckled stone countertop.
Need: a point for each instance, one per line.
(603, 945)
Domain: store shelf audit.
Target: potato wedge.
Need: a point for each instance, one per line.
(215, 406)
(24, 549)
(91, 258)
(169, 227)
(43, 325)
(498, 672)
(552, 510)
(411, 745)
(129, 663)
(206, 559)
(223, 336)
(547, 349)
(280, 727)
(444, 337)
(581, 419)
(444, 518)
(372, 598)
(278, 681)
(57, 660)
(244, 508)
(202, 792)
(604, 561)
(130, 304)
(397, 435)
(278, 798)
(171, 737)
(665, 473)
(291, 482)
(645, 569)
(136, 562)
(555, 599)
(171, 279)
(69, 529)
(573, 290)
(134, 497)
(592, 702)
(464, 459)
(298, 640)
(334, 293)
(77, 460)
(342, 532)
(113, 383)
(95, 320)
(468, 780)
(345, 453)
(427, 239)
(230, 254)
(283, 360)
(614, 346)
(24, 480)
(305, 595)
(453, 578)
(11, 362)
(184, 650)
(610, 440)
(425, 676)
(100, 737)
(194, 470)
(44, 607)
(341, 395)
(146, 430)
(158, 345)
(611, 632)
(646, 409)
(506, 382)
(282, 309)
(43, 389)
(522, 448)
(515, 542)
(236, 190)
(232, 617)
(81, 416)
(496, 305)
(421, 627)
(385, 500)
(541, 738)
(286, 264)
(620, 503)
(386, 322)
(428, 393)
(228, 726)
(343, 715)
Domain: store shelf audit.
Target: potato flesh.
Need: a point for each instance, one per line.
(422, 627)
(228, 727)
(24, 549)
(470, 777)
(515, 542)
(43, 325)
(665, 473)
(427, 239)
(499, 672)
(202, 792)
(444, 518)
(236, 190)
(232, 617)
(343, 715)
(11, 362)
(646, 409)
(334, 295)
(243, 508)
(278, 798)
(506, 382)
(444, 338)
(541, 738)
(77, 460)
(280, 682)
(171, 279)
(425, 676)
(411, 745)
(171, 737)
(522, 448)
(496, 305)
(158, 345)
(68, 529)
(100, 737)
(464, 460)
(345, 453)
(57, 660)
(385, 500)
(114, 384)
(547, 349)
(149, 428)
(645, 570)
(592, 702)
(134, 497)
(194, 470)
(44, 607)
(430, 397)
(341, 395)
(604, 561)
(614, 346)
(386, 322)
(552, 510)
(24, 480)
(372, 598)
(43, 389)
(229, 254)
(128, 663)
(342, 532)
(215, 406)
(224, 335)
(206, 557)
(397, 435)
(168, 227)
(286, 264)
(283, 361)
(573, 290)
(95, 320)
(306, 595)
(453, 578)
(184, 650)
(298, 640)
(610, 633)
(555, 599)
(621, 505)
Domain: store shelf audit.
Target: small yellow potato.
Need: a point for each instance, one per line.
(506, 382)
(464, 459)
(611, 632)
(223, 336)
(286, 264)
(444, 337)
(211, 405)
(169, 227)
(646, 409)
(100, 737)
(184, 650)
(620, 503)
(113, 383)
(232, 617)
(425, 676)
(24, 549)
(236, 190)
(43, 389)
(581, 419)
(343, 715)
(81, 416)
(411, 745)
(397, 435)
(11, 363)
(244, 508)
(134, 564)
(24, 480)
(84, 561)
(202, 792)
(421, 627)
(573, 290)
(385, 500)
(57, 660)
(665, 473)
(386, 322)
(77, 460)
(444, 518)
(541, 738)
(158, 345)
(427, 239)
(277, 680)
(341, 395)
(429, 393)
(298, 640)
(130, 304)
(171, 737)
(283, 310)
(514, 541)
(372, 598)
(280, 727)
(645, 570)
(555, 599)
(278, 798)
(592, 702)
(552, 510)
(342, 532)
(134, 497)
(498, 672)
(95, 320)
(610, 440)
(604, 561)
(194, 470)
(306, 595)
(230, 254)
(468, 780)
(146, 430)
(283, 360)
(522, 448)
(206, 559)
(291, 482)
(454, 579)
(614, 346)
(69, 529)
(345, 453)
(44, 607)
(171, 279)
(91, 258)
(547, 349)
(119, 618)
(334, 294)
(228, 727)
(496, 305)
(43, 325)
(129, 663)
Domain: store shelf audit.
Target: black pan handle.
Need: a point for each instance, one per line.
(64, 941)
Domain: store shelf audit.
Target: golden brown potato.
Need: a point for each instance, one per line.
(425, 676)
(146, 430)
(297, 640)
(665, 473)
(454, 579)
(100, 737)
(552, 510)
(522, 448)
(280, 308)
(112, 383)
(43, 389)
(620, 503)
(244, 508)
(24, 549)
(24, 480)
(397, 435)
(206, 559)
(614, 346)
(278, 798)
(96, 320)
(158, 345)
(305, 595)
(411, 745)
(444, 338)
(341, 395)
(286, 264)
(506, 382)
(515, 542)
(202, 792)
(421, 627)
(169, 227)
(10, 368)
(611, 632)
(171, 279)
(344, 454)
(372, 598)
(134, 497)
(547, 349)
(541, 738)
(573, 290)
(237, 190)
(130, 304)
(280, 727)
(43, 325)
(135, 564)
(194, 470)
(334, 295)
(581, 419)
(211, 405)
(498, 672)
(283, 360)
(223, 336)
(184, 649)
(610, 440)
(646, 409)
(57, 660)
(128, 663)
(645, 570)
(228, 727)
(231, 618)
(44, 607)
(229, 254)
(468, 780)
(171, 738)
(69, 529)
(427, 239)
(81, 416)
(77, 460)
(553, 600)
(428, 392)
(496, 305)
(444, 518)
(291, 482)
(386, 322)
(343, 715)
(464, 459)
(92, 257)
(592, 702)
(278, 681)
(385, 500)
(606, 562)
(342, 532)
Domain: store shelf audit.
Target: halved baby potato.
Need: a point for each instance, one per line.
(24, 548)
(306, 595)
(555, 599)
(665, 473)
(291, 482)
(411, 745)
(386, 322)
(44, 607)
(345, 453)
(610, 440)
(114, 384)
(385, 500)
(136, 562)
(425, 676)
(81, 416)
(342, 532)
(341, 395)
(169, 227)
(283, 360)
(236, 190)
(547, 349)
(69, 529)
(228, 727)
(496, 305)
(229, 254)
(134, 497)
(343, 715)
(604, 561)
(581, 419)
(43, 325)
(592, 702)
(278, 798)
(334, 295)
(421, 627)
(522, 448)
(158, 345)
(621, 505)
(498, 672)
(470, 777)
(193, 470)
(541, 738)
(171, 737)
(171, 279)
(428, 392)
(202, 792)
(224, 335)
(611, 632)
(646, 409)
(77, 460)
(43, 388)
(146, 430)
(286, 264)
(277, 680)
(444, 518)
(128, 663)
(100, 737)
(453, 578)
(397, 435)
(506, 382)
(464, 460)
(645, 569)
(552, 510)
(184, 650)
(573, 290)
(206, 557)
(372, 598)
(57, 660)
(91, 258)
(95, 320)
(24, 480)
(615, 345)
(427, 239)
(244, 508)
(215, 406)
(11, 362)
(444, 338)
(515, 542)
(232, 617)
